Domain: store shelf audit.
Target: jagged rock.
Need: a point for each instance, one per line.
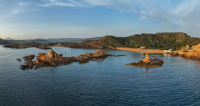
(18, 59)
(96, 54)
(39, 64)
(23, 67)
(30, 64)
(29, 57)
(148, 62)
(44, 47)
(51, 58)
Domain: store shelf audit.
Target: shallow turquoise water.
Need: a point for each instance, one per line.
(105, 82)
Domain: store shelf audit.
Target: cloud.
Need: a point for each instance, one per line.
(68, 3)
(187, 15)
(23, 4)
(143, 18)
(179, 14)
(22, 7)
(183, 15)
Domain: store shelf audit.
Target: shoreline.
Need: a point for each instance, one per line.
(140, 50)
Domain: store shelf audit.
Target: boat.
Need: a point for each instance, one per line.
(168, 51)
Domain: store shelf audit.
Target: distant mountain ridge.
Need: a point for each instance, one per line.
(163, 40)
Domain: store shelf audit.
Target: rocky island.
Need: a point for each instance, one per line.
(53, 59)
(148, 62)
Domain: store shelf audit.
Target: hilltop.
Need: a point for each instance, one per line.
(150, 41)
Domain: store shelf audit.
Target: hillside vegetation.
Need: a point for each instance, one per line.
(151, 41)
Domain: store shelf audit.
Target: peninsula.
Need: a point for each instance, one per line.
(188, 52)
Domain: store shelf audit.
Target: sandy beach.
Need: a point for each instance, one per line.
(141, 50)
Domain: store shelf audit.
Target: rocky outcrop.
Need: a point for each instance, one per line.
(148, 62)
(53, 59)
(44, 47)
(191, 53)
(18, 59)
(29, 57)
(50, 59)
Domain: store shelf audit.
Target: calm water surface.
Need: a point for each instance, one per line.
(105, 83)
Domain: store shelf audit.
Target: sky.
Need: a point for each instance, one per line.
(30, 19)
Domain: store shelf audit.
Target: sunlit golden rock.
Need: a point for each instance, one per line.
(146, 60)
(193, 53)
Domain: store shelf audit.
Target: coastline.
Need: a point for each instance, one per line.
(140, 50)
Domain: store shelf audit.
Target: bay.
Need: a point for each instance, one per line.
(106, 82)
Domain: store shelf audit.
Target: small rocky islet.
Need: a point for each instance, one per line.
(53, 59)
(151, 63)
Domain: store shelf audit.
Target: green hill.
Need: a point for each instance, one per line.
(109, 41)
(151, 41)
(161, 40)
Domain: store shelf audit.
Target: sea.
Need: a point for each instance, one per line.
(107, 82)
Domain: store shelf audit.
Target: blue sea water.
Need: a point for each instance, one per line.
(108, 82)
